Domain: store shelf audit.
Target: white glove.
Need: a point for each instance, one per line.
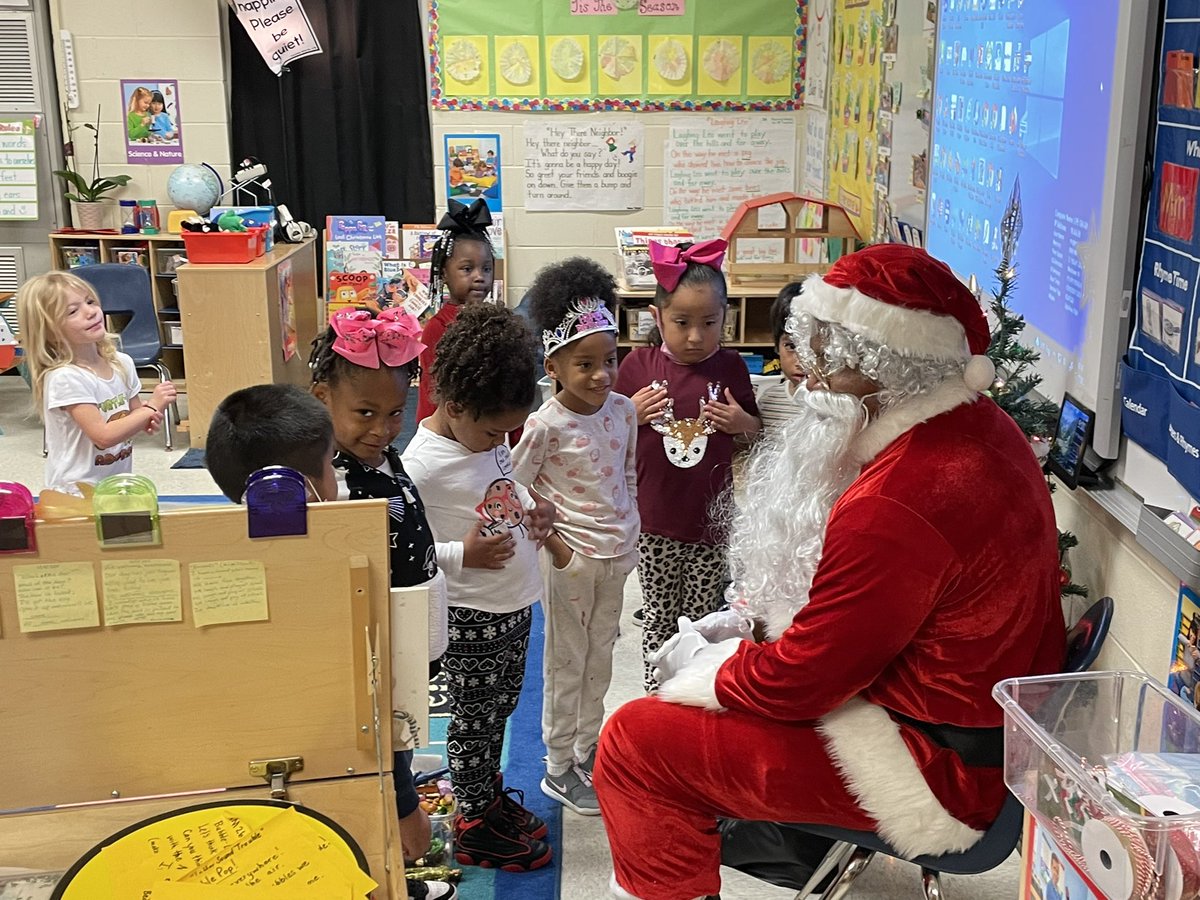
(678, 649)
(722, 625)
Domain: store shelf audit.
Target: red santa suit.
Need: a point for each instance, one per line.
(938, 577)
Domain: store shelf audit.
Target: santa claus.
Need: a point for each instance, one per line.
(895, 555)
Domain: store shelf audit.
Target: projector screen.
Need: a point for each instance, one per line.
(1045, 99)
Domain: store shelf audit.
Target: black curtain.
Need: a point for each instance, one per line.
(345, 131)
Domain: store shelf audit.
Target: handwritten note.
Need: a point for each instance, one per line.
(593, 8)
(185, 890)
(171, 848)
(600, 166)
(229, 590)
(141, 590)
(713, 163)
(51, 596)
(286, 852)
(660, 7)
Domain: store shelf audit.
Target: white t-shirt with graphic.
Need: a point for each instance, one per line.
(71, 457)
(461, 490)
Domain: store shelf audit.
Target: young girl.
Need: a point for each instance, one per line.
(361, 367)
(161, 125)
(138, 119)
(777, 401)
(578, 450)
(487, 543)
(86, 392)
(463, 264)
(692, 400)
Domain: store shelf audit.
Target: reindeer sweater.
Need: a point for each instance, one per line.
(674, 500)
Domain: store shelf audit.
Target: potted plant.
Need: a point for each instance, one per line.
(91, 206)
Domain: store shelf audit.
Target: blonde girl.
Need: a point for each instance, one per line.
(139, 119)
(84, 388)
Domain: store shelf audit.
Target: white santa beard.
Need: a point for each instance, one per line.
(792, 480)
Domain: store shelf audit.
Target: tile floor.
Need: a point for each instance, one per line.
(584, 856)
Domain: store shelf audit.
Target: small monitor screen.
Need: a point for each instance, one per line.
(1070, 440)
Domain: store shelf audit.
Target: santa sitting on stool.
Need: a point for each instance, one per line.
(893, 555)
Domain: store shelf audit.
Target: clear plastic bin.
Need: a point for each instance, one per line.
(1106, 762)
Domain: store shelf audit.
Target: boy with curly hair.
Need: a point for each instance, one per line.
(487, 534)
(578, 450)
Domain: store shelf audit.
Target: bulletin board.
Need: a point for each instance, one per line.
(1160, 382)
(855, 136)
(585, 55)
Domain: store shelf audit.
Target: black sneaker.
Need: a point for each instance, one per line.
(637, 616)
(512, 803)
(430, 890)
(491, 842)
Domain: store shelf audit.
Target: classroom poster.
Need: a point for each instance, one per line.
(854, 144)
(287, 310)
(816, 56)
(1184, 672)
(18, 170)
(712, 164)
(1047, 872)
(603, 55)
(597, 167)
(281, 34)
(153, 125)
(473, 169)
(1160, 383)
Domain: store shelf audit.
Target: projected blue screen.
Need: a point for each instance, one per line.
(1023, 90)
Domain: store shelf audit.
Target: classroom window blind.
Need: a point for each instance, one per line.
(18, 83)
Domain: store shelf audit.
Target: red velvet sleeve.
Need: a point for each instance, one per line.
(882, 571)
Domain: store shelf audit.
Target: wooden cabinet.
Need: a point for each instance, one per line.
(160, 253)
(232, 318)
(747, 318)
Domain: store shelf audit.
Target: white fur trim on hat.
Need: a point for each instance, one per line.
(867, 748)
(912, 332)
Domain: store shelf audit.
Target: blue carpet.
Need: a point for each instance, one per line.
(194, 458)
(523, 767)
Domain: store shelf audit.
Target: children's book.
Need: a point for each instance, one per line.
(369, 229)
(416, 241)
(405, 285)
(633, 251)
(391, 240)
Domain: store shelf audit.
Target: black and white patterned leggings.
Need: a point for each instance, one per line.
(485, 667)
(677, 579)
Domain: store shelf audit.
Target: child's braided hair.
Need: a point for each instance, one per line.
(461, 222)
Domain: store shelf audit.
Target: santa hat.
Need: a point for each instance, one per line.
(900, 296)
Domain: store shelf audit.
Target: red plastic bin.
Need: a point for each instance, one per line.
(221, 246)
(260, 232)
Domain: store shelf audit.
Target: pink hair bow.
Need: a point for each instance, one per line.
(669, 263)
(391, 339)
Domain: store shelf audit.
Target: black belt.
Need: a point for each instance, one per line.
(977, 747)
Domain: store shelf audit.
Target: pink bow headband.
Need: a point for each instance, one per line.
(669, 263)
(391, 339)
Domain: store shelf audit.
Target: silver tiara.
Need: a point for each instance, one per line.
(585, 315)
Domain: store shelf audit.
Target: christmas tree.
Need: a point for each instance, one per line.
(1015, 377)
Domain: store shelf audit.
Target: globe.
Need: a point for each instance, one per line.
(194, 187)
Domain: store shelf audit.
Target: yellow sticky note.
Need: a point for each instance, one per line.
(228, 590)
(286, 852)
(465, 65)
(141, 590)
(568, 65)
(669, 67)
(518, 72)
(719, 65)
(769, 68)
(619, 65)
(51, 596)
(170, 849)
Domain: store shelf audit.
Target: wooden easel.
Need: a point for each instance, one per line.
(116, 717)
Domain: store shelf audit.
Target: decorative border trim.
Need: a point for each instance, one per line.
(437, 100)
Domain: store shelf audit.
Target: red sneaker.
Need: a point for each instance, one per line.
(491, 842)
(525, 821)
